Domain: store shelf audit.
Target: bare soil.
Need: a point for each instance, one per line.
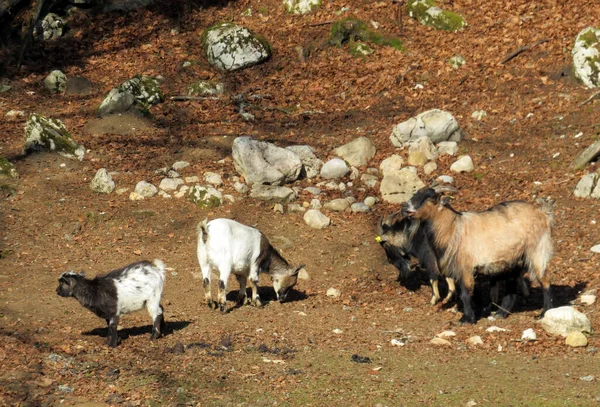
(53, 351)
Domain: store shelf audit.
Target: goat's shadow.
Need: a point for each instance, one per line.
(267, 294)
(170, 327)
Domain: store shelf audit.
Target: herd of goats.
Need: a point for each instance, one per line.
(497, 246)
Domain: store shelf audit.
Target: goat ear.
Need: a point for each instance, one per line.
(300, 267)
(82, 273)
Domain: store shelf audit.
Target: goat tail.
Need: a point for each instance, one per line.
(160, 265)
(202, 230)
(547, 206)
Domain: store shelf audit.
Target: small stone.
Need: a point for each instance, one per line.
(445, 179)
(585, 185)
(315, 204)
(170, 184)
(229, 198)
(369, 180)
(370, 201)
(396, 342)
(334, 168)
(447, 148)
(463, 164)
(102, 182)
(496, 329)
(588, 378)
(121, 191)
(429, 167)
(145, 190)
(587, 299)
(56, 82)
(316, 219)
(528, 335)
(475, 340)
(446, 334)
(303, 274)
(595, 249)
(164, 195)
(312, 190)
(294, 207)
(360, 207)
(173, 174)
(333, 292)
(337, 331)
(194, 179)
(576, 340)
(179, 165)
(478, 115)
(417, 158)
(337, 205)
(240, 188)
(278, 208)
(213, 178)
(440, 342)
(182, 191)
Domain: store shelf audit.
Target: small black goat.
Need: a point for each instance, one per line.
(119, 292)
(403, 238)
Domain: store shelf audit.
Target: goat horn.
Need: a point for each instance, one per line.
(444, 188)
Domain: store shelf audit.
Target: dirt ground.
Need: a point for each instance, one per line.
(53, 352)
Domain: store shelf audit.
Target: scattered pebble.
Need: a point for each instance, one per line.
(337, 331)
(446, 334)
(278, 208)
(588, 378)
(396, 342)
(475, 340)
(440, 342)
(529, 335)
(333, 292)
(576, 340)
(496, 329)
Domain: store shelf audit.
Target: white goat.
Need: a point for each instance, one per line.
(129, 289)
(231, 247)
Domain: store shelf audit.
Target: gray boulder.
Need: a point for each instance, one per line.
(311, 164)
(205, 197)
(585, 185)
(102, 182)
(586, 57)
(315, 219)
(56, 82)
(42, 133)
(334, 168)
(400, 186)
(264, 163)
(135, 95)
(231, 47)
(436, 124)
(301, 6)
(273, 193)
(50, 27)
(357, 152)
(564, 320)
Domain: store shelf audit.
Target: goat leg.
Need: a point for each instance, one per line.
(113, 338)
(466, 296)
(255, 297)
(241, 298)
(158, 328)
(436, 291)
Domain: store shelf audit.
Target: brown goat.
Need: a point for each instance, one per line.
(506, 237)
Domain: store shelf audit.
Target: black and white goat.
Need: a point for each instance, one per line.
(227, 246)
(403, 238)
(512, 237)
(129, 289)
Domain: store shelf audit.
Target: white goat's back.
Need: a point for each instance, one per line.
(229, 244)
(140, 285)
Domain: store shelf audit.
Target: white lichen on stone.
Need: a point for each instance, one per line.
(586, 57)
(230, 47)
(301, 6)
(42, 133)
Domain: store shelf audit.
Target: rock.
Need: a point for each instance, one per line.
(446, 334)
(170, 184)
(121, 191)
(496, 329)
(315, 219)
(240, 187)
(585, 185)
(313, 190)
(303, 274)
(429, 168)
(264, 163)
(7, 170)
(447, 147)
(370, 201)
(163, 194)
(528, 335)
(135, 95)
(478, 115)
(436, 124)
(358, 152)
(588, 378)
(145, 190)
(566, 319)
(576, 339)
(294, 207)
(213, 179)
(333, 292)
(596, 191)
(586, 57)
(51, 27)
(416, 158)
(301, 6)
(315, 204)
(229, 198)
(230, 47)
(445, 179)
(427, 13)
(337, 205)
(360, 207)
(475, 340)
(440, 342)
(206, 88)
(102, 182)
(585, 156)
(369, 180)
(205, 197)
(400, 187)
(457, 61)
(194, 179)
(311, 164)
(278, 208)
(391, 165)
(180, 165)
(173, 174)
(423, 145)
(182, 191)
(56, 82)
(273, 193)
(334, 169)
(463, 164)
(42, 133)
(396, 342)
(587, 299)
(337, 331)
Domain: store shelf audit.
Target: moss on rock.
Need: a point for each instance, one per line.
(351, 30)
(301, 6)
(7, 170)
(42, 133)
(205, 88)
(586, 57)
(205, 197)
(428, 13)
(137, 95)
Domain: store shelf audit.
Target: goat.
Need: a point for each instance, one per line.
(504, 238)
(119, 292)
(402, 238)
(231, 247)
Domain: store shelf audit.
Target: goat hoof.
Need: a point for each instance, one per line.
(222, 308)
(467, 320)
(241, 301)
(211, 305)
(114, 344)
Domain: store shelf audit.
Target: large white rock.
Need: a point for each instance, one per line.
(301, 6)
(230, 47)
(312, 165)
(334, 168)
(145, 189)
(585, 185)
(357, 152)
(170, 184)
(102, 182)
(42, 133)
(315, 219)
(265, 163)
(586, 57)
(401, 186)
(563, 320)
(436, 124)
(463, 164)
(391, 165)
(205, 197)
